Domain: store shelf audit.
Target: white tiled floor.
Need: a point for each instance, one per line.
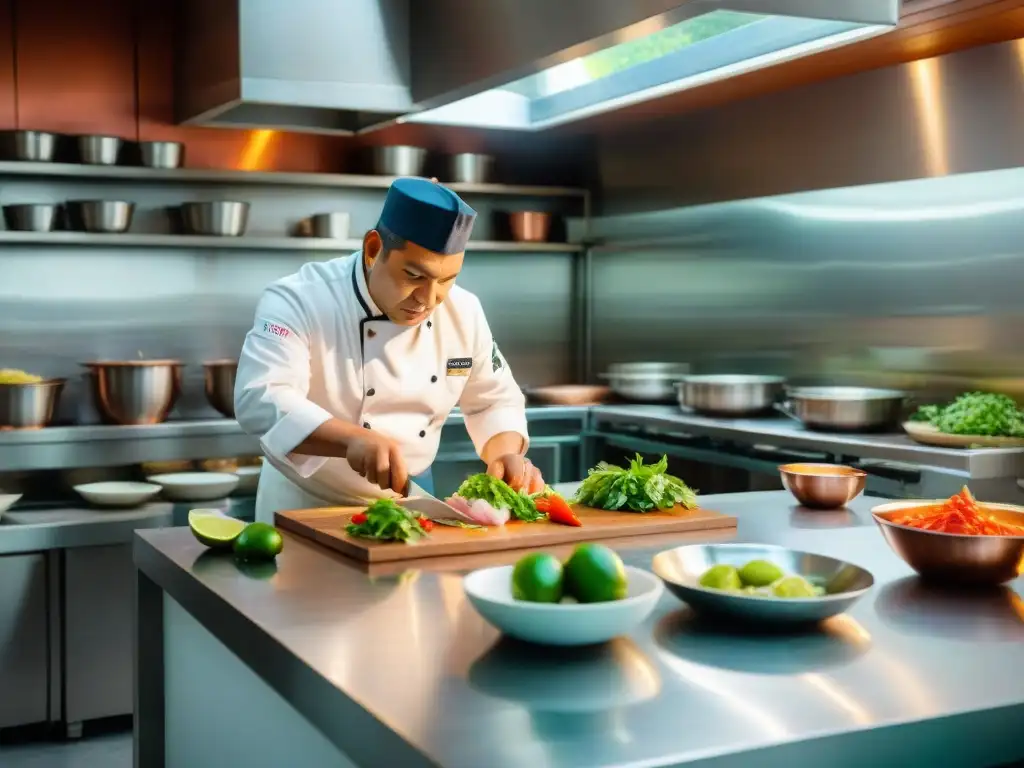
(106, 751)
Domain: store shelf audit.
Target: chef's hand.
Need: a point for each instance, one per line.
(518, 472)
(378, 458)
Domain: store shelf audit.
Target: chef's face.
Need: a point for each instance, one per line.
(408, 283)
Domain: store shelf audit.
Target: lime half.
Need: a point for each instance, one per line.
(214, 529)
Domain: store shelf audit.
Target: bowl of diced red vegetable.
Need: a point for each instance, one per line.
(958, 540)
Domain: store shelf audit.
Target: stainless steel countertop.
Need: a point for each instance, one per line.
(402, 643)
(785, 432)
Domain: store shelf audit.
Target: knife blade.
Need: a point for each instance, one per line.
(426, 504)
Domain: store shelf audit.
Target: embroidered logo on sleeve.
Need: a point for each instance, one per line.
(272, 330)
(497, 361)
(459, 366)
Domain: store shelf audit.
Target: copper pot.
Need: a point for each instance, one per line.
(530, 226)
(132, 392)
(219, 378)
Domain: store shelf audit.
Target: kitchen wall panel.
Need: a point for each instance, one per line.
(8, 103)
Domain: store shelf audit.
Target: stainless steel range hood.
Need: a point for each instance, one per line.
(345, 66)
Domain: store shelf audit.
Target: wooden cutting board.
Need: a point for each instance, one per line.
(927, 434)
(327, 526)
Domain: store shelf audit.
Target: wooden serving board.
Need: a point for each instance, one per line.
(327, 526)
(927, 434)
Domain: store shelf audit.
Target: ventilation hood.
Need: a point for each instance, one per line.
(348, 66)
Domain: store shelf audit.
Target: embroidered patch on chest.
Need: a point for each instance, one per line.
(271, 330)
(459, 366)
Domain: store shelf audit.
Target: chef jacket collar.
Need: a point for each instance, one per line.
(362, 291)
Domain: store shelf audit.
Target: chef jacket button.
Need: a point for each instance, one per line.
(423, 433)
(433, 379)
(366, 425)
(429, 324)
(371, 392)
(370, 333)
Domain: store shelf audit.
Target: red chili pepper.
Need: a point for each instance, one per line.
(359, 518)
(426, 524)
(558, 511)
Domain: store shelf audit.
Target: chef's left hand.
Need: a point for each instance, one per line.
(518, 472)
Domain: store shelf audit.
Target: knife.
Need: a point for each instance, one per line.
(426, 504)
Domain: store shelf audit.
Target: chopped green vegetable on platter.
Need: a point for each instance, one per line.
(637, 488)
(975, 413)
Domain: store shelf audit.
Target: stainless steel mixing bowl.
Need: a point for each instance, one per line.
(161, 154)
(135, 391)
(646, 382)
(100, 215)
(682, 567)
(29, 406)
(99, 150)
(219, 383)
(399, 160)
(225, 218)
(31, 217)
(730, 394)
(469, 168)
(845, 408)
(31, 146)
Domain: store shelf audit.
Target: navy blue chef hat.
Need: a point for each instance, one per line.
(428, 214)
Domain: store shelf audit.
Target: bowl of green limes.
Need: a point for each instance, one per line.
(761, 582)
(590, 598)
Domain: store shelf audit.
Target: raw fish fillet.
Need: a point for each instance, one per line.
(479, 511)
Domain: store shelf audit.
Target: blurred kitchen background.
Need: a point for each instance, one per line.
(853, 216)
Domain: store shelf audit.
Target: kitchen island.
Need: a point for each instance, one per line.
(321, 661)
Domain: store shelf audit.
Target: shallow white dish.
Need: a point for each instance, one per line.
(490, 592)
(196, 486)
(248, 479)
(117, 494)
(8, 500)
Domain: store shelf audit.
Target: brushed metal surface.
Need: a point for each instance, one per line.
(399, 160)
(729, 394)
(23, 629)
(470, 168)
(31, 217)
(845, 408)
(329, 226)
(29, 406)
(99, 150)
(219, 385)
(132, 393)
(681, 568)
(162, 154)
(878, 679)
(222, 218)
(529, 226)
(33, 146)
(108, 216)
(823, 486)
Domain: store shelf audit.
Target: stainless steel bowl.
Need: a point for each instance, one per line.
(29, 406)
(953, 558)
(730, 394)
(469, 168)
(162, 154)
(331, 226)
(399, 160)
(100, 215)
(135, 391)
(645, 382)
(530, 226)
(845, 408)
(682, 567)
(31, 146)
(99, 150)
(30, 217)
(224, 218)
(823, 486)
(219, 377)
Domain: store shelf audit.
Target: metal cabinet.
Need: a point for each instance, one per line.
(99, 606)
(24, 635)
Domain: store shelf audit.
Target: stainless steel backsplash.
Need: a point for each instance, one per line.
(62, 305)
(915, 284)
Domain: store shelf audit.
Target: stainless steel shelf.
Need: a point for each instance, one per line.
(252, 243)
(782, 432)
(340, 180)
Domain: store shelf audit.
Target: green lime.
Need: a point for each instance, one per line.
(258, 541)
(214, 529)
(595, 574)
(794, 586)
(537, 578)
(760, 573)
(721, 576)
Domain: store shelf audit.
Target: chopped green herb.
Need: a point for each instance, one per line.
(638, 488)
(387, 521)
(499, 495)
(975, 413)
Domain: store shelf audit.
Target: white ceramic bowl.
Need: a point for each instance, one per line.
(248, 479)
(117, 494)
(7, 500)
(196, 486)
(490, 592)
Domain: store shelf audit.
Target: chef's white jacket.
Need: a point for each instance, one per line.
(320, 348)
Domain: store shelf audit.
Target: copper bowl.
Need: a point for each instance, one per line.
(219, 383)
(570, 394)
(954, 558)
(132, 392)
(823, 486)
(530, 226)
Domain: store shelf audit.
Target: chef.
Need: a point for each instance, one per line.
(352, 365)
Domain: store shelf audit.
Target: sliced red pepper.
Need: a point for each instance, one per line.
(359, 518)
(426, 524)
(559, 511)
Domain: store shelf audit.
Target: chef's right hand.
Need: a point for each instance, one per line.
(378, 458)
